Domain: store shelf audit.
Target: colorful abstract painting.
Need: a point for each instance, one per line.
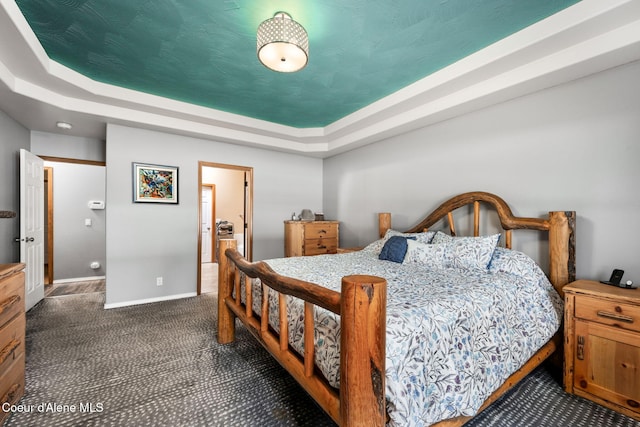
(155, 183)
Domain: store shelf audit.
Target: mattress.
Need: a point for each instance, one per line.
(454, 335)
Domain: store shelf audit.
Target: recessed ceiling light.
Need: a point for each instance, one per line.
(64, 125)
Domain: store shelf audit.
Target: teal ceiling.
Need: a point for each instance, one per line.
(204, 51)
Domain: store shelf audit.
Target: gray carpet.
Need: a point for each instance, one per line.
(160, 365)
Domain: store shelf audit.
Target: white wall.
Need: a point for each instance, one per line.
(13, 137)
(572, 147)
(145, 241)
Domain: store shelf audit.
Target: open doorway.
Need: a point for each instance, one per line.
(224, 211)
(74, 244)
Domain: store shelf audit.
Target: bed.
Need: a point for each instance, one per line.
(393, 333)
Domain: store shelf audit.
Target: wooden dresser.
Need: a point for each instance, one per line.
(303, 238)
(12, 335)
(602, 345)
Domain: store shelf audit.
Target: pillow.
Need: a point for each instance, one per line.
(467, 252)
(432, 255)
(514, 262)
(376, 246)
(394, 248)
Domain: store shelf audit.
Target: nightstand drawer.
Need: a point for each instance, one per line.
(320, 230)
(625, 316)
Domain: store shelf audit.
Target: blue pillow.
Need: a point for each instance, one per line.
(395, 248)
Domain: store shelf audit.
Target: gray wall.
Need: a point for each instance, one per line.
(13, 137)
(146, 241)
(571, 147)
(70, 147)
(75, 244)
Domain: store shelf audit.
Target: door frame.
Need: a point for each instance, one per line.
(48, 177)
(248, 208)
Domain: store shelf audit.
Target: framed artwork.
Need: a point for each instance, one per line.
(155, 183)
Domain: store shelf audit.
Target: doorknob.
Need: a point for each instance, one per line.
(17, 239)
(30, 239)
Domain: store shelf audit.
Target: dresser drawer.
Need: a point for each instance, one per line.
(624, 316)
(12, 385)
(318, 230)
(11, 297)
(11, 341)
(320, 246)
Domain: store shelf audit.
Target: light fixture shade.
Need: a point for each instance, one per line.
(64, 125)
(282, 44)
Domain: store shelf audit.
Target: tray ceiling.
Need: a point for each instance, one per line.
(376, 69)
(203, 52)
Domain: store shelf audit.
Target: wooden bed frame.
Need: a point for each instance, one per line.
(361, 304)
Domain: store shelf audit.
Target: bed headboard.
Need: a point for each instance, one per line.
(559, 224)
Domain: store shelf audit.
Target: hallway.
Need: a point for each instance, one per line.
(209, 278)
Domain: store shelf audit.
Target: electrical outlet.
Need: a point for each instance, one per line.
(158, 281)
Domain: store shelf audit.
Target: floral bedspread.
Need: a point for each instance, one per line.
(453, 335)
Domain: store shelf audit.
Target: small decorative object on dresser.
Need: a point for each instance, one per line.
(12, 335)
(303, 238)
(602, 345)
(306, 215)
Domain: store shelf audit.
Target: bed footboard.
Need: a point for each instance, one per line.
(361, 304)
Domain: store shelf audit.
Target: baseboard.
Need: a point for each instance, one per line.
(77, 279)
(149, 300)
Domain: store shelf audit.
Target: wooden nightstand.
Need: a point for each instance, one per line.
(602, 345)
(303, 238)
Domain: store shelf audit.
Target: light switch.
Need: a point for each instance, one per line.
(87, 222)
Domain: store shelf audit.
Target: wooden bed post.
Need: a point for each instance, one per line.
(226, 276)
(362, 351)
(384, 223)
(562, 248)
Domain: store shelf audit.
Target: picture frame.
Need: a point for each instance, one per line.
(155, 183)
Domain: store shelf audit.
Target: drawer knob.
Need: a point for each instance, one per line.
(633, 403)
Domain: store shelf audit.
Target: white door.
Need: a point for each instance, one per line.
(207, 228)
(32, 225)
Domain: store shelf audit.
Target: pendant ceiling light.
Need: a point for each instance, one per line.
(283, 44)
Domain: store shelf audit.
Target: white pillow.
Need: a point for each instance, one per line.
(432, 255)
(467, 252)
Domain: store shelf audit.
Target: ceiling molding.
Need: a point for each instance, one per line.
(583, 39)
